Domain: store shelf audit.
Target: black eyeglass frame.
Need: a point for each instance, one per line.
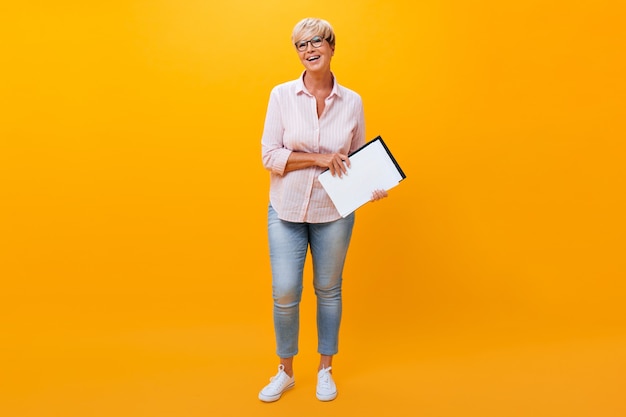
(315, 41)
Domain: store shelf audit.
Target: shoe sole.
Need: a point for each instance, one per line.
(329, 397)
(276, 397)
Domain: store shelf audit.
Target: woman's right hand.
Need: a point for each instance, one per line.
(337, 163)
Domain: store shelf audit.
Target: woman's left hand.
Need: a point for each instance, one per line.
(378, 195)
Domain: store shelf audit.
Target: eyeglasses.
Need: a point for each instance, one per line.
(315, 42)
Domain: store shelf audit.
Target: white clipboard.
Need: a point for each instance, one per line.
(372, 167)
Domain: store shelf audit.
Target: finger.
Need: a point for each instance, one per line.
(333, 168)
(378, 194)
(344, 167)
(339, 168)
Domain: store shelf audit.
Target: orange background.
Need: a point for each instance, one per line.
(133, 259)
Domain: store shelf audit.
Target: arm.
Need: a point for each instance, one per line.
(273, 152)
(358, 141)
(337, 163)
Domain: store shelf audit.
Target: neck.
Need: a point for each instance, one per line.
(318, 81)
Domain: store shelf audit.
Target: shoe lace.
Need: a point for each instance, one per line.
(325, 377)
(277, 380)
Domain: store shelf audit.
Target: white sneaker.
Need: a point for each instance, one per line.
(326, 388)
(279, 383)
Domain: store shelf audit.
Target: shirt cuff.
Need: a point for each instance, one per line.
(280, 161)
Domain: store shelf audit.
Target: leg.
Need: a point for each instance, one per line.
(326, 361)
(287, 364)
(329, 246)
(288, 247)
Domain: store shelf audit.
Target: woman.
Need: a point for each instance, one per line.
(312, 124)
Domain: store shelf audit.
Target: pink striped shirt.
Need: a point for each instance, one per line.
(291, 124)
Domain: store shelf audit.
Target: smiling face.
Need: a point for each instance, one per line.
(315, 53)
(314, 41)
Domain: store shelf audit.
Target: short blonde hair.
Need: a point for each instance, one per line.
(309, 27)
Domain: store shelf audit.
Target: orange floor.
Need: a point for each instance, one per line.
(127, 364)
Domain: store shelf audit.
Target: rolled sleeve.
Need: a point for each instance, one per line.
(274, 153)
(358, 138)
(275, 160)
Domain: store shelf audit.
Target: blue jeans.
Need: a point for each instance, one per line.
(289, 243)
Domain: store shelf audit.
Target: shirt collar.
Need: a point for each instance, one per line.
(300, 87)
